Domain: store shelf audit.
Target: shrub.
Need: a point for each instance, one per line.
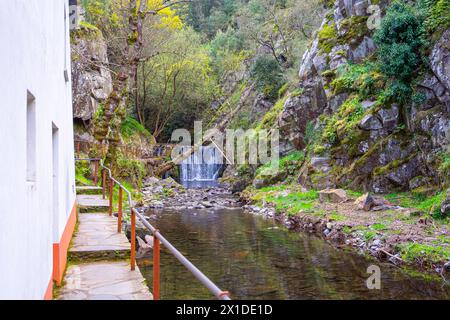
(400, 40)
(268, 76)
(131, 169)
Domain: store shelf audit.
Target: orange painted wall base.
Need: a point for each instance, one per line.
(60, 249)
(49, 292)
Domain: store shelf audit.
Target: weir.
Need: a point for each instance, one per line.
(202, 168)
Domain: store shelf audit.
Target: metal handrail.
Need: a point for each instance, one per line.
(158, 237)
(219, 294)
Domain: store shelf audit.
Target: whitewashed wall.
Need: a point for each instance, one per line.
(34, 51)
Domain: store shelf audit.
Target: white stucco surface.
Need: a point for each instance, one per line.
(34, 53)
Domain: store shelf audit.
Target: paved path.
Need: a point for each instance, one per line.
(104, 281)
(100, 268)
(97, 237)
(92, 203)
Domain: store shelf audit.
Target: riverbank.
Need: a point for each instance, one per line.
(402, 235)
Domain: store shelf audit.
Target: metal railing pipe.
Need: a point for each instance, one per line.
(222, 295)
(159, 238)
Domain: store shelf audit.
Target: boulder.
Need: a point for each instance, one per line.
(440, 59)
(92, 81)
(446, 271)
(366, 47)
(333, 195)
(370, 122)
(389, 117)
(366, 202)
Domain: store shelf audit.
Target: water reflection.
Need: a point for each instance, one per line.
(257, 259)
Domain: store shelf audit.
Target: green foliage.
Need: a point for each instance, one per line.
(131, 126)
(268, 76)
(131, 170)
(365, 79)
(400, 40)
(82, 173)
(437, 15)
(378, 226)
(444, 166)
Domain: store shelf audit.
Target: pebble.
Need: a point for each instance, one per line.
(376, 242)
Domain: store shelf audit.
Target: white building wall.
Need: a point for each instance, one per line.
(34, 52)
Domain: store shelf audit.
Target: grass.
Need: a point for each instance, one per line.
(291, 203)
(378, 226)
(130, 126)
(428, 205)
(290, 163)
(81, 180)
(337, 217)
(423, 252)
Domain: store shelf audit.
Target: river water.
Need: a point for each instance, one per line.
(255, 258)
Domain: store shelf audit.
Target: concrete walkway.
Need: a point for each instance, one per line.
(100, 267)
(104, 281)
(97, 238)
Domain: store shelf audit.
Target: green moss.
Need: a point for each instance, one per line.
(343, 121)
(329, 4)
(328, 74)
(327, 37)
(365, 79)
(132, 170)
(392, 165)
(355, 29)
(437, 14)
(270, 118)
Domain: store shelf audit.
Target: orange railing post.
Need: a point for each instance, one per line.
(156, 268)
(119, 213)
(104, 183)
(96, 173)
(133, 240)
(111, 191)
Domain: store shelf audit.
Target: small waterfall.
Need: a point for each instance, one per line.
(202, 168)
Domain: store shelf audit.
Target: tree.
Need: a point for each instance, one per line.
(268, 76)
(176, 85)
(122, 23)
(400, 40)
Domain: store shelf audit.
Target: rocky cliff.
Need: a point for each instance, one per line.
(357, 135)
(92, 81)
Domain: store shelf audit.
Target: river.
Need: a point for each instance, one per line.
(254, 258)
